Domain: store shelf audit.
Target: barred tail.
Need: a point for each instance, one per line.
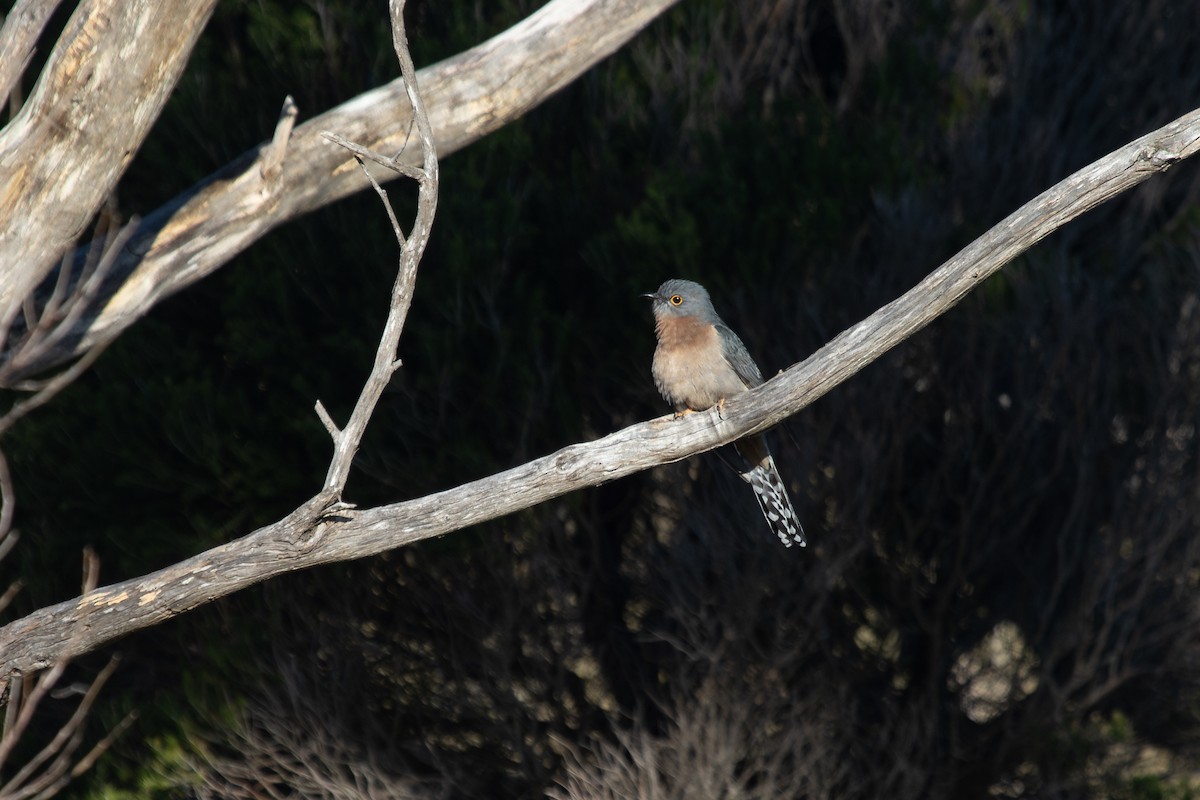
(769, 491)
(773, 500)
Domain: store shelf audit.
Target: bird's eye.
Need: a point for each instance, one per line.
(676, 300)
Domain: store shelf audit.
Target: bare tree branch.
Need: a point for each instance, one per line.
(90, 111)
(8, 535)
(22, 27)
(392, 163)
(346, 440)
(51, 388)
(62, 312)
(57, 754)
(82, 625)
(467, 97)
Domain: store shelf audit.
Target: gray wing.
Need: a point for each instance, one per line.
(738, 357)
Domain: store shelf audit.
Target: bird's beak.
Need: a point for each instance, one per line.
(651, 295)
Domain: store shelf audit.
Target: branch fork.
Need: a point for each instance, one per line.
(346, 440)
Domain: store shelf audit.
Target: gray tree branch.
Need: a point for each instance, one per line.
(347, 440)
(467, 97)
(106, 81)
(22, 27)
(87, 623)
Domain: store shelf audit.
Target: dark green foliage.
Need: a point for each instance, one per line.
(1021, 475)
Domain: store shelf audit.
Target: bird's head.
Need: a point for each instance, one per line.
(680, 298)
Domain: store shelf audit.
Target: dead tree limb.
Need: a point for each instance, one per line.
(22, 27)
(104, 85)
(412, 247)
(467, 97)
(87, 623)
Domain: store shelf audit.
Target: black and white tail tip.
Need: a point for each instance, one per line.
(775, 504)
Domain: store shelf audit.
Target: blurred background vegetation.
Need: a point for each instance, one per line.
(999, 597)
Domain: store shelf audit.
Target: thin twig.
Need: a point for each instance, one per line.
(387, 205)
(16, 694)
(48, 389)
(91, 570)
(90, 285)
(61, 282)
(43, 683)
(6, 506)
(86, 763)
(107, 222)
(346, 441)
(58, 318)
(28, 312)
(8, 536)
(407, 170)
(55, 322)
(61, 744)
(12, 591)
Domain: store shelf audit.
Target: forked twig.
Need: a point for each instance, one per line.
(346, 440)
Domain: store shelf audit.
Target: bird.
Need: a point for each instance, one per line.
(700, 363)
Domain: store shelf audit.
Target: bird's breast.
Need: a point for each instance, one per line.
(689, 368)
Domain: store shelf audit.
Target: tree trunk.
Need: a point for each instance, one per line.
(108, 78)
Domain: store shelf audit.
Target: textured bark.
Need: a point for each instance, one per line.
(22, 27)
(467, 96)
(105, 83)
(306, 538)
